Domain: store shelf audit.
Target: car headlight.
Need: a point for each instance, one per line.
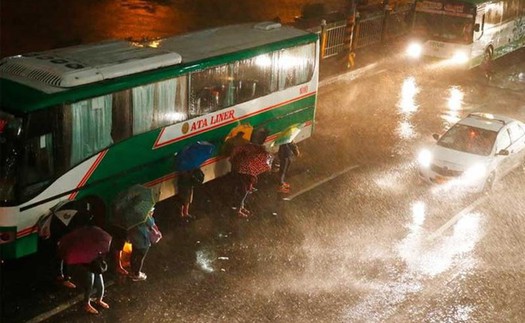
(414, 50)
(425, 158)
(460, 57)
(475, 172)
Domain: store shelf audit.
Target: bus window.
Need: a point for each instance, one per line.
(494, 13)
(39, 151)
(170, 102)
(39, 164)
(294, 66)
(121, 116)
(143, 101)
(90, 123)
(10, 130)
(159, 105)
(210, 90)
(252, 77)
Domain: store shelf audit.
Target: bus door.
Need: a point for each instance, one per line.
(479, 24)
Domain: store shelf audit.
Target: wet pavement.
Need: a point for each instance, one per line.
(357, 240)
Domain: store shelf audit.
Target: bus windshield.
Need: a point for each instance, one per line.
(10, 131)
(446, 28)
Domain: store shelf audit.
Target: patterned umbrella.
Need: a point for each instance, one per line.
(83, 245)
(132, 206)
(251, 159)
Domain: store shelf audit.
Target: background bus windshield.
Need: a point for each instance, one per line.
(444, 28)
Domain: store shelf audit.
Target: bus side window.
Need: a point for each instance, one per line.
(90, 123)
(121, 123)
(208, 90)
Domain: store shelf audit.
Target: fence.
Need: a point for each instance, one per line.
(373, 27)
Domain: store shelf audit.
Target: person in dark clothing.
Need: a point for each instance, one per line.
(287, 152)
(247, 183)
(185, 184)
(230, 144)
(94, 281)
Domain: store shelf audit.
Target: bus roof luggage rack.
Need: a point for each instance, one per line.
(267, 25)
(85, 64)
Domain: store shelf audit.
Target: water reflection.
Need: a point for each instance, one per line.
(433, 257)
(407, 106)
(409, 90)
(455, 106)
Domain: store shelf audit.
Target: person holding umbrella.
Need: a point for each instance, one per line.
(249, 161)
(87, 246)
(185, 183)
(140, 238)
(188, 162)
(287, 152)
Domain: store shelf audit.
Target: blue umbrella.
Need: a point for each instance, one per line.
(193, 155)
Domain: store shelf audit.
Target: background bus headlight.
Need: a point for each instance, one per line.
(424, 158)
(460, 57)
(414, 50)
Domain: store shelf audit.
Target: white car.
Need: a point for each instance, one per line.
(475, 152)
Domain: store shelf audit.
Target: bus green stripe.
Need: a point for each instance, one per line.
(131, 154)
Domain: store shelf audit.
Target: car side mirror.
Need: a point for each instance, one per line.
(435, 136)
(503, 152)
(476, 27)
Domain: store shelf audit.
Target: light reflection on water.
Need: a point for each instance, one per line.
(425, 258)
(455, 106)
(407, 106)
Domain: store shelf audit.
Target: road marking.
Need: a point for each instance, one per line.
(455, 218)
(311, 187)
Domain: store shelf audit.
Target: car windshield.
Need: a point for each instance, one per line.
(469, 139)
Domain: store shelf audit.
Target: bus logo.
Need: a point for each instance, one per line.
(303, 89)
(185, 128)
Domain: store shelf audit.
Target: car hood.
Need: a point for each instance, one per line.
(455, 159)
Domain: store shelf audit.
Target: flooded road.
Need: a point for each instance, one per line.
(359, 238)
(362, 240)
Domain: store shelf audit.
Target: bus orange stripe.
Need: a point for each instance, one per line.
(89, 173)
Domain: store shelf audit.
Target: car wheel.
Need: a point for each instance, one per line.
(489, 183)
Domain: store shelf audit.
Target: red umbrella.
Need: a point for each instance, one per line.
(83, 245)
(251, 159)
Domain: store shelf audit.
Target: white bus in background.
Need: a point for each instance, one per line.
(467, 32)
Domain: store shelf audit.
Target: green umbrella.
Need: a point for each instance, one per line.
(132, 206)
(288, 135)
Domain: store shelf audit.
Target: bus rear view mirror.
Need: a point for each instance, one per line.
(476, 28)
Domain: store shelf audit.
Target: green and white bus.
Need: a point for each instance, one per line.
(467, 32)
(83, 123)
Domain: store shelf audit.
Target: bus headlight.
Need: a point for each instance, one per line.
(425, 158)
(460, 57)
(475, 172)
(414, 50)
